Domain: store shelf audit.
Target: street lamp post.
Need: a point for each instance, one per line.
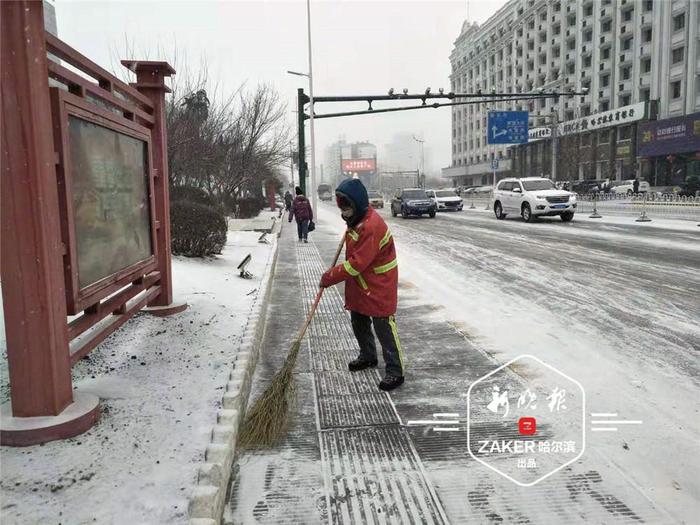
(311, 111)
(421, 175)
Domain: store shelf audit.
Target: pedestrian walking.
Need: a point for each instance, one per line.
(635, 185)
(302, 212)
(371, 277)
(288, 200)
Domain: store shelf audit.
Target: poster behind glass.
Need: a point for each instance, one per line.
(109, 175)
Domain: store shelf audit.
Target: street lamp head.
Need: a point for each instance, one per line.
(441, 91)
(297, 73)
(405, 91)
(391, 92)
(427, 91)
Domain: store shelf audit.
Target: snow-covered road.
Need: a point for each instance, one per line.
(617, 305)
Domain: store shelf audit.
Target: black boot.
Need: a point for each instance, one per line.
(390, 382)
(360, 364)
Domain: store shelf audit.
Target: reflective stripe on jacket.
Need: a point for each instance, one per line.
(370, 270)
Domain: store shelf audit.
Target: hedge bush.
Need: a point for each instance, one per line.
(248, 207)
(191, 194)
(197, 229)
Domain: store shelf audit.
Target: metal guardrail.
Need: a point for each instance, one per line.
(633, 205)
(641, 204)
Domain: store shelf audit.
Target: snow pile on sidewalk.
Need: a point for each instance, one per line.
(160, 382)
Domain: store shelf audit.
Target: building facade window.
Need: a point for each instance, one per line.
(624, 133)
(677, 55)
(679, 22)
(676, 89)
(647, 35)
(645, 65)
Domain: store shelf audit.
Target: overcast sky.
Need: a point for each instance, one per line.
(358, 47)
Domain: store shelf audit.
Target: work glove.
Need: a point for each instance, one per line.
(326, 280)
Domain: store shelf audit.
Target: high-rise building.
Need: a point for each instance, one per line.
(343, 159)
(639, 62)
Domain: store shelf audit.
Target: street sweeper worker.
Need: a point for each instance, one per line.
(371, 276)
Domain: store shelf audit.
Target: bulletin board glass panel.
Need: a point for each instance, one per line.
(110, 199)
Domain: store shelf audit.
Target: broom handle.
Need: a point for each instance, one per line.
(310, 316)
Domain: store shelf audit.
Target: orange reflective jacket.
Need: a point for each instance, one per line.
(370, 270)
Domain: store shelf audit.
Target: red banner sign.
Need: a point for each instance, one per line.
(358, 165)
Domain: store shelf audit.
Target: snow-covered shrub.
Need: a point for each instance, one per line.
(197, 229)
(191, 194)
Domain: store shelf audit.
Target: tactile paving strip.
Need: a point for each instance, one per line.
(377, 478)
(372, 470)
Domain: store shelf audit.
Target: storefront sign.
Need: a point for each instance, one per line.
(358, 165)
(623, 151)
(538, 134)
(672, 135)
(614, 117)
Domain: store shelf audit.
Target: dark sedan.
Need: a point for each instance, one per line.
(412, 201)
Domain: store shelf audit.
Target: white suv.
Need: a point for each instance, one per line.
(532, 197)
(445, 199)
(627, 187)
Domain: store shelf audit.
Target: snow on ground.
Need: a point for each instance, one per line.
(160, 382)
(591, 310)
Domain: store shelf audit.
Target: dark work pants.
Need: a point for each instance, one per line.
(303, 229)
(388, 335)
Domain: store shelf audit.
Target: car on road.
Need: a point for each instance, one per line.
(446, 200)
(324, 192)
(627, 187)
(375, 199)
(412, 201)
(532, 197)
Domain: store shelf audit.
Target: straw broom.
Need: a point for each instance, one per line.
(267, 420)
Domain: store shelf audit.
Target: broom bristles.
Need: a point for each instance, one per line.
(267, 420)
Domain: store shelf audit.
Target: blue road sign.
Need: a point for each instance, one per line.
(507, 127)
(494, 164)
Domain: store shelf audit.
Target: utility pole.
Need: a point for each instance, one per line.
(421, 173)
(314, 200)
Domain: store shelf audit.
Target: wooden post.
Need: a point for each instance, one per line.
(32, 255)
(31, 262)
(150, 80)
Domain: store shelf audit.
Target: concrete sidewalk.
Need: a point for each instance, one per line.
(349, 456)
